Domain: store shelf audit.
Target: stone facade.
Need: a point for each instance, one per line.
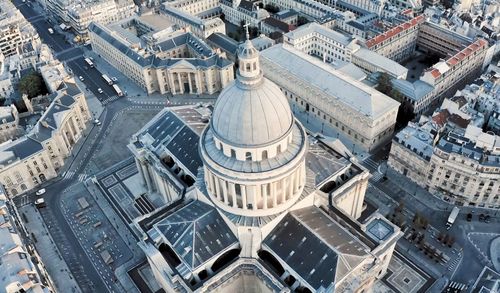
(166, 71)
(39, 155)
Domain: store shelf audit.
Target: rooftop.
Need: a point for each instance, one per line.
(379, 39)
(353, 93)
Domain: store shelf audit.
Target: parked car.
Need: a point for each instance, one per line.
(114, 79)
(40, 203)
(40, 192)
(81, 78)
(97, 122)
(100, 90)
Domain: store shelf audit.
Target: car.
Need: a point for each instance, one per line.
(51, 31)
(40, 203)
(469, 217)
(100, 90)
(40, 192)
(114, 79)
(97, 122)
(81, 78)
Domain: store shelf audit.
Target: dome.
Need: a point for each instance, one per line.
(249, 117)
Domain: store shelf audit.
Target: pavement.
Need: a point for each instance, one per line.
(48, 251)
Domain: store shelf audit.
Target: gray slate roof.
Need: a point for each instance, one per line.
(315, 247)
(196, 232)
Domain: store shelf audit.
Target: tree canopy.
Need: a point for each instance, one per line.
(32, 84)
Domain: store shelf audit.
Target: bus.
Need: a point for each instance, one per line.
(107, 79)
(90, 63)
(118, 91)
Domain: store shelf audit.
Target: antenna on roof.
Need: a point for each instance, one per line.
(246, 30)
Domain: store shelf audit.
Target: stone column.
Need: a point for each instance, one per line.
(273, 194)
(264, 195)
(147, 179)
(291, 187)
(283, 190)
(139, 168)
(243, 189)
(217, 188)
(224, 191)
(232, 190)
(254, 195)
(190, 84)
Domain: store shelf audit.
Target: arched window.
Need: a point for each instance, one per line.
(233, 153)
(279, 149)
(247, 67)
(255, 66)
(248, 156)
(264, 155)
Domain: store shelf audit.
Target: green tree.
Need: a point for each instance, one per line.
(32, 84)
(301, 20)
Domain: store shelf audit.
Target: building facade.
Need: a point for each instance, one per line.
(9, 122)
(15, 30)
(79, 14)
(243, 11)
(19, 272)
(462, 168)
(37, 157)
(362, 116)
(184, 64)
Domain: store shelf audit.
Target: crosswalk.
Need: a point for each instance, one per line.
(376, 176)
(370, 164)
(70, 174)
(110, 100)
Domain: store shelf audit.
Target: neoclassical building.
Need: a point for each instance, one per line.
(251, 202)
(363, 117)
(178, 63)
(37, 157)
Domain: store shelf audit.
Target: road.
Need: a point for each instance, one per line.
(436, 212)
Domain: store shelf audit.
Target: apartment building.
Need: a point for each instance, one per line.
(27, 162)
(180, 63)
(81, 13)
(398, 43)
(202, 9)
(9, 122)
(15, 30)
(202, 28)
(334, 47)
(243, 11)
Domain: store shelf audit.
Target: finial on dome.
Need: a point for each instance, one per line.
(246, 30)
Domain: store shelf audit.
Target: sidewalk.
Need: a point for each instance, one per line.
(138, 257)
(46, 248)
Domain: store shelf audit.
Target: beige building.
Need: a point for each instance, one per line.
(337, 48)
(15, 30)
(463, 169)
(243, 11)
(20, 272)
(202, 28)
(399, 42)
(202, 9)
(363, 117)
(81, 14)
(37, 157)
(9, 122)
(180, 63)
(262, 198)
(78, 14)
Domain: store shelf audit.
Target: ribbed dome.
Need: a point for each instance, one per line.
(251, 116)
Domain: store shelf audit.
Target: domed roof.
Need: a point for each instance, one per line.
(252, 110)
(249, 116)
